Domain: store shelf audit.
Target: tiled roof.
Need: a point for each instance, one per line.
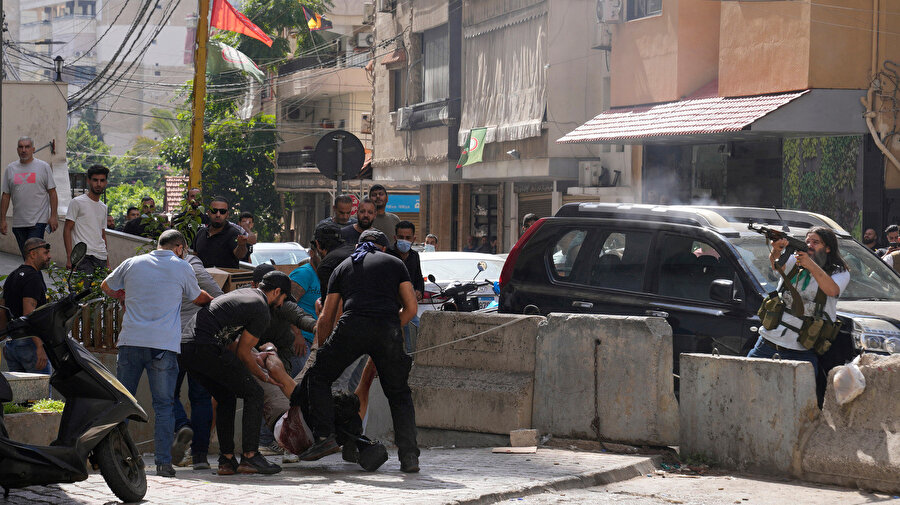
(685, 117)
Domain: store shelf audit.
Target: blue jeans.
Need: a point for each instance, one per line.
(26, 232)
(764, 350)
(21, 356)
(201, 413)
(410, 335)
(162, 373)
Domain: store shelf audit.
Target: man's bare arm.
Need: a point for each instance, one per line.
(244, 352)
(327, 318)
(203, 299)
(408, 303)
(67, 241)
(54, 205)
(4, 207)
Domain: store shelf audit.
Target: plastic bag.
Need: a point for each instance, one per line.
(849, 382)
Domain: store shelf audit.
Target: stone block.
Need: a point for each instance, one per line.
(523, 438)
(507, 349)
(28, 387)
(746, 413)
(606, 377)
(471, 400)
(33, 428)
(858, 444)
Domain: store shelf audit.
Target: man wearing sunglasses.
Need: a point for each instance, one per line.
(219, 244)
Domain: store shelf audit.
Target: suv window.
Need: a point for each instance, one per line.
(621, 260)
(565, 251)
(688, 267)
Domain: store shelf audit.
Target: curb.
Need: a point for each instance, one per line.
(583, 481)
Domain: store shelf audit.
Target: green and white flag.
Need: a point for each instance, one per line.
(475, 148)
(221, 58)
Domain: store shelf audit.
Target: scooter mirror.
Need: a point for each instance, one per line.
(79, 250)
(482, 266)
(431, 278)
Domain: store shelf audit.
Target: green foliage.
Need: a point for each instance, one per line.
(279, 19)
(820, 176)
(84, 149)
(122, 196)
(59, 279)
(13, 408)
(48, 405)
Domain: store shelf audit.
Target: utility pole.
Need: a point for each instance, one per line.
(199, 94)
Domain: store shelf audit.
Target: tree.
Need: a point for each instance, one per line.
(122, 196)
(84, 149)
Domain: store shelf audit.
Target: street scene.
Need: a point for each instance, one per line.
(425, 251)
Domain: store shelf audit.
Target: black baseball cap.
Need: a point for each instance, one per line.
(261, 270)
(374, 236)
(277, 279)
(328, 232)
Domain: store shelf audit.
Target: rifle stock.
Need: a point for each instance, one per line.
(794, 244)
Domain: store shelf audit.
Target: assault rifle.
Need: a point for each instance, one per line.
(794, 244)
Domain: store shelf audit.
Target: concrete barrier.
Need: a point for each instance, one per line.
(607, 378)
(28, 387)
(746, 413)
(858, 444)
(121, 246)
(33, 428)
(484, 384)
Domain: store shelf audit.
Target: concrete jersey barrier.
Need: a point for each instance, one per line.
(606, 378)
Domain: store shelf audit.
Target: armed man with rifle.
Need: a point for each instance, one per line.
(799, 319)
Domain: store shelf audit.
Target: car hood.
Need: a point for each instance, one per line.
(888, 311)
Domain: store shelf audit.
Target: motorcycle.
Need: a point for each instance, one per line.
(93, 420)
(458, 296)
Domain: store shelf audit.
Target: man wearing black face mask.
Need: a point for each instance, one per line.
(219, 244)
(405, 235)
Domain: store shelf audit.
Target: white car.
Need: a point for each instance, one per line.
(457, 266)
(283, 253)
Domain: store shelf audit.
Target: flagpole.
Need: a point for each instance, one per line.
(199, 94)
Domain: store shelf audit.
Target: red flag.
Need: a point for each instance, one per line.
(226, 17)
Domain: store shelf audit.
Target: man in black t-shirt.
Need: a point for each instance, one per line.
(378, 299)
(226, 369)
(332, 249)
(220, 244)
(24, 291)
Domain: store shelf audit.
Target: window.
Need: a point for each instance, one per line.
(436, 64)
(565, 251)
(398, 83)
(620, 261)
(688, 267)
(484, 216)
(643, 8)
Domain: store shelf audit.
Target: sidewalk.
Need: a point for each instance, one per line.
(457, 476)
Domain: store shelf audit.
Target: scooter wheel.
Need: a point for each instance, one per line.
(121, 465)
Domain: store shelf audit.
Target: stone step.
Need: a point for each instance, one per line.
(28, 387)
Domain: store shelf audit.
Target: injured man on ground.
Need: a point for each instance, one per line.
(287, 422)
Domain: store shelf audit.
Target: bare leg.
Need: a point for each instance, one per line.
(362, 390)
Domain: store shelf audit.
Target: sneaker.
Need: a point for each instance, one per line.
(289, 458)
(272, 449)
(165, 471)
(321, 448)
(349, 452)
(409, 463)
(181, 443)
(186, 461)
(227, 466)
(199, 462)
(258, 464)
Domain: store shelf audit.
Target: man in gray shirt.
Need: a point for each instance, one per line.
(385, 221)
(30, 183)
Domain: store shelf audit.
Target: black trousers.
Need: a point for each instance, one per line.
(226, 378)
(352, 337)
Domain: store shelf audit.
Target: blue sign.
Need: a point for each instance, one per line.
(402, 203)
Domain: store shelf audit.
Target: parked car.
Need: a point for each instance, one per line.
(663, 261)
(457, 266)
(284, 253)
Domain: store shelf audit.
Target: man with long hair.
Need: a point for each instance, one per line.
(821, 268)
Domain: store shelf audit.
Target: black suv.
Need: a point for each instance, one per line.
(698, 267)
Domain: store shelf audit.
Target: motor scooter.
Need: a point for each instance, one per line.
(459, 296)
(92, 426)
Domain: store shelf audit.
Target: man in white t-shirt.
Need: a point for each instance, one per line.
(821, 268)
(29, 182)
(86, 222)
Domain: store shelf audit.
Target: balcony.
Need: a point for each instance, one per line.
(324, 76)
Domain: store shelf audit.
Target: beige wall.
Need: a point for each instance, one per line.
(644, 59)
(698, 44)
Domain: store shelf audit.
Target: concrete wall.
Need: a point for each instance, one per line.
(857, 444)
(745, 412)
(606, 378)
(119, 245)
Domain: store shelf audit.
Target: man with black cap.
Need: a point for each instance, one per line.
(331, 248)
(226, 368)
(378, 300)
(24, 291)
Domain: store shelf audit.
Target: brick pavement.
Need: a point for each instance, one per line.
(458, 476)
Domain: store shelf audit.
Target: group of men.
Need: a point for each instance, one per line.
(889, 250)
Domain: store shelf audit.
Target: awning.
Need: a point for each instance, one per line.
(816, 112)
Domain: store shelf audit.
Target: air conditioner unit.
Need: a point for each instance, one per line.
(365, 39)
(404, 114)
(610, 11)
(368, 14)
(385, 5)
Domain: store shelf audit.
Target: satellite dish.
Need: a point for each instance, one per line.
(353, 155)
